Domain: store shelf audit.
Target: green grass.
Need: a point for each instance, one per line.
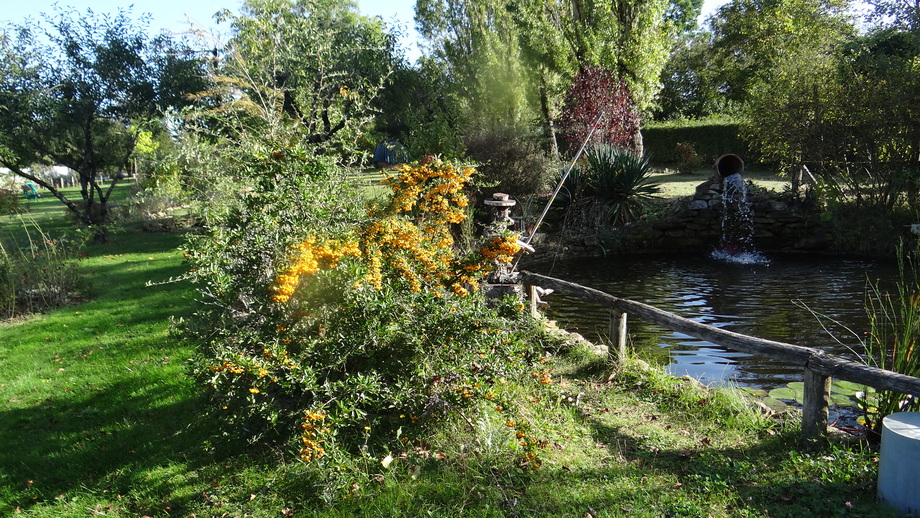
(676, 185)
(97, 391)
(100, 417)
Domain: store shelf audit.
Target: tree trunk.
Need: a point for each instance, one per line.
(548, 128)
(638, 143)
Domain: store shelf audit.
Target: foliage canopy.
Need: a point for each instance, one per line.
(76, 91)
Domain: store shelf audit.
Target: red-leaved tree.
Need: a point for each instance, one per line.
(596, 91)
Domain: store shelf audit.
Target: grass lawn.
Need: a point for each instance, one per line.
(676, 185)
(100, 418)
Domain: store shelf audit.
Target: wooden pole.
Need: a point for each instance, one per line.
(621, 336)
(617, 333)
(815, 406)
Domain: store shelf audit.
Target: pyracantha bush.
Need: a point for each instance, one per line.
(362, 338)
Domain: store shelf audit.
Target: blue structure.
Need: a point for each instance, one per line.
(390, 152)
(30, 191)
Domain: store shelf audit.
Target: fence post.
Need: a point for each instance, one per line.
(814, 406)
(618, 330)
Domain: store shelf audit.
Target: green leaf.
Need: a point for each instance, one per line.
(756, 392)
(841, 399)
(775, 404)
(847, 388)
(784, 393)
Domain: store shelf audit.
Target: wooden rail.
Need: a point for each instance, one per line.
(818, 366)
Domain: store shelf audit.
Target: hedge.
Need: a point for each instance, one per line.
(710, 138)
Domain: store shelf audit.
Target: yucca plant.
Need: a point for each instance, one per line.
(620, 180)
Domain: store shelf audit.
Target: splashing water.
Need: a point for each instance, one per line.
(737, 242)
(742, 258)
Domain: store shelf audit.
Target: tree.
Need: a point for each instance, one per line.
(850, 117)
(311, 65)
(477, 44)
(689, 84)
(597, 93)
(76, 91)
(419, 106)
(291, 92)
(630, 38)
(898, 14)
(752, 38)
(550, 42)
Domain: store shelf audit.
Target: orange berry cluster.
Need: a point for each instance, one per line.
(412, 234)
(312, 427)
(311, 256)
(410, 237)
(435, 189)
(501, 249)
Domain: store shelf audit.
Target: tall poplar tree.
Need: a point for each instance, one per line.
(554, 40)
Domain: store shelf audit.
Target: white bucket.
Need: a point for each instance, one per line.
(899, 462)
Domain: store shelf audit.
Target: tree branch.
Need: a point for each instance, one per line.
(41, 182)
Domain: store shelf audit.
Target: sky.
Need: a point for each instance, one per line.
(175, 15)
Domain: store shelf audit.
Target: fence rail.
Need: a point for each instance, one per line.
(819, 367)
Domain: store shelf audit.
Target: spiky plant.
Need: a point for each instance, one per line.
(621, 181)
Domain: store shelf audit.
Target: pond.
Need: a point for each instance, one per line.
(814, 301)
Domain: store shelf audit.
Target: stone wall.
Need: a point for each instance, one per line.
(780, 224)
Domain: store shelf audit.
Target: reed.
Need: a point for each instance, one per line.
(37, 271)
(891, 343)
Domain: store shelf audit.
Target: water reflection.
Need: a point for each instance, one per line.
(777, 301)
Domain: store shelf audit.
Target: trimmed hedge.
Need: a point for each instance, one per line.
(711, 138)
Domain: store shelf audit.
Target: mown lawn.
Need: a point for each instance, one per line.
(101, 418)
(676, 185)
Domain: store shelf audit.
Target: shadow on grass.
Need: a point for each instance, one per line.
(748, 478)
(109, 439)
(133, 241)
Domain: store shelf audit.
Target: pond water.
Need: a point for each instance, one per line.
(802, 300)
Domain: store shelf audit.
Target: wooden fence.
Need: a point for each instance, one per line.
(819, 367)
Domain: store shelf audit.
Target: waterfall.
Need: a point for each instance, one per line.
(736, 244)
